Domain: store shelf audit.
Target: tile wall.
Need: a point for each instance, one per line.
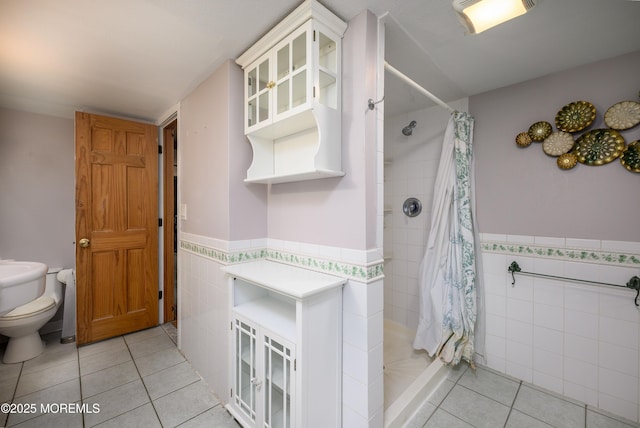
(579, 340)
(410, 170)
(204, 312)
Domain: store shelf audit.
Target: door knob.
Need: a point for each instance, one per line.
(84, 242)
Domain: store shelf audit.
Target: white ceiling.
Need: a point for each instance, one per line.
(139, 58)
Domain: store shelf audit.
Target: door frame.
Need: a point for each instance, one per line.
(169, 265)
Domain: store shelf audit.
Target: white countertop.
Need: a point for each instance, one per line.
(292, 281)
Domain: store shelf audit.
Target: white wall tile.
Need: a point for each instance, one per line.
(550, 363)
(354, 362)
(549, 292)
(581, 348)
(615, 304)
(581, 373)
(618, 358)
(548, 339)
(350, 418)
(354, 330)
(520, 354)
(496, 325)
(619, 332)
(581, 323)
(590, 244)
(354, 395)
(496, 346)
(549, 241)
(520, 239)
(547, 381)
(584, 299)
(495, 283)
(581, 393)
(496, 305)
(618, 406)
(618, 384)
(548, 316)
(520, 332)
(519, 371)
(621, 246)
(519, 310)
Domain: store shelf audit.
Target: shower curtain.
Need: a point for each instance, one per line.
(448, 278)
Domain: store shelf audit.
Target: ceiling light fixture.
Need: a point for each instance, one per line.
(480, 15)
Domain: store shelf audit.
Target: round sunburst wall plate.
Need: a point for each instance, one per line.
(599, 146)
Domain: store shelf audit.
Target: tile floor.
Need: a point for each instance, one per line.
(140, 380)
(487, 399)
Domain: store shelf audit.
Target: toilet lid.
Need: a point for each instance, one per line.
(34, 307)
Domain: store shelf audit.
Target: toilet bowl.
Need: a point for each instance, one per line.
(21, 325)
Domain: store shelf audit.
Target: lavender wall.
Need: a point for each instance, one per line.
(37, 174)
(339, 212)
(522, 191)
(213, 158)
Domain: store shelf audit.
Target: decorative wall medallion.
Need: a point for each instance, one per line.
(623, 115)
(523, 139)
(575, 116)
(558, 143)
(567, 161)
(630, 157)
(540, 130)
(599, 146)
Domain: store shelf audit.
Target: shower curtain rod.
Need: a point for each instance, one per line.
(422, 90)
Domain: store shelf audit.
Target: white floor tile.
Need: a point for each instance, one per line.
(184, 404)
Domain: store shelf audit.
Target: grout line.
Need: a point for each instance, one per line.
(512, 404)
(142, 381)
(84, 423)
(15, 390)
(585, 415)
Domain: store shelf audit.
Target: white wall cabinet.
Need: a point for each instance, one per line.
(293, 97)
(286, 346)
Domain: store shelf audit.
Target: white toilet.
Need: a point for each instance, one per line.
(22, 323)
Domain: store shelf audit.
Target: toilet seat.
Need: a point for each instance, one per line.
(41, 304)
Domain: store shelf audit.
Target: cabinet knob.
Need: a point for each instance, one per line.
(256, 382)
(271, 84)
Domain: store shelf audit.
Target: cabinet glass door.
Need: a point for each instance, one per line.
(291, 73)
(327, 70)
(258, 86)
(245, 383)
(278, 373)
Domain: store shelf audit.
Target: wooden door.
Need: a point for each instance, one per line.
(117, 212)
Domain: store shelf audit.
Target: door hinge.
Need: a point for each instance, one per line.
(160, 295)
(159, 222)
(314, 92)
(314, 35)
(295, 365)
(231, 392)
(159, 149)
(231, 326)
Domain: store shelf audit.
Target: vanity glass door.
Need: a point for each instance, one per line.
(279, 367)
(245, 383)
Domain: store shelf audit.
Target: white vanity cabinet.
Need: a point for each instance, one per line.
(293, 97)
(285, 346)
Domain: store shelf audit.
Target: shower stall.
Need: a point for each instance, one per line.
(413, 139)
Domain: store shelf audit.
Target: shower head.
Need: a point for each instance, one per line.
(408, 130)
